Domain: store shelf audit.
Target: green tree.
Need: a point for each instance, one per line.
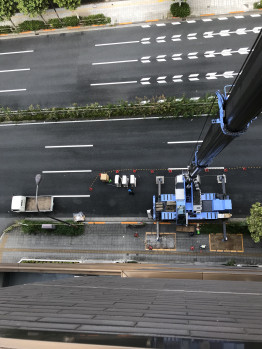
(68, 4)
(33, 7)
(7, 9)
(254, 222)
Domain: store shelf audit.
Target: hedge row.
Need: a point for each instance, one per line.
(232, 228)
(72, 21)
(170, 107)
(181, 11)
(35, 227)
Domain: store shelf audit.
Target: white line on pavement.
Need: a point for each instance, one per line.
(118, 43)
(71, 196)
(13, 70)
(181, 142)
(18, 90)
(115, 62)
(68, 146)
(13, 53)
(177, 168)
(68, 171)
(114, 83)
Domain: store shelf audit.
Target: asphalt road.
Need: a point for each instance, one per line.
(118, 145)
(108, 65)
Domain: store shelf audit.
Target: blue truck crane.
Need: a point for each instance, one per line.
(237, 109)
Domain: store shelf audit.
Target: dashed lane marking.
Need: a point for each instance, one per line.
(118, 43)
(15, 52)
(184, 142)
(14, 70)
(71, 196)
(68, 146)
(114, 83)
(68, 171)
(116, 62)
(17, 90)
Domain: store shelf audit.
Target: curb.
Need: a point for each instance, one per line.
(119, 25)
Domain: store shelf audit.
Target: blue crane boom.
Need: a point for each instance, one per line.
(236, 111)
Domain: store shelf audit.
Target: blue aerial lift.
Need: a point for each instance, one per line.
(237, 109)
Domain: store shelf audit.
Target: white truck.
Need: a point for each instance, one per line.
(27, 204)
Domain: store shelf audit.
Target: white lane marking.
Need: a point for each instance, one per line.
(216, 168)
(227, 52)
(192, 21)
(114, 83)
(192, 55)
(176, 38)
(161, 58)
(175, 23)
(222, 18)
(226, 75)
(115, 62)
(241, 31)
(161, 39)
(145, 81)
(193, 77)
(192, 36)
(161, 25)
(71, 196)
(207, 20)
(210, 76)
(13, 70)
(225, 32)
(145, 59)
(17, 90)
(16, 52)
(68, 146)
(161, 80)
(146, 26)
(145, 41)
(88, 121)
(68, 171)
(177, 57)
(239, 17)
(181, 142)
(177, 78)
(256, 15)
(118, 43)
(177, 168)
(194, 98)
(208, 35)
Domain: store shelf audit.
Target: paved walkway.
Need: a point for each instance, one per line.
(131, 11)
(115, 241)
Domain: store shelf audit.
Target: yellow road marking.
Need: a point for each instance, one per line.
(2, 245)
(208, 14)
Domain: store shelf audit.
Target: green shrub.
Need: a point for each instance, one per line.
(31, 26)
(232, 228)
(257, 5)
(5, 29)
(72, 21)
(35, 227)
(55, 23)
(180, 11)
(95, 19)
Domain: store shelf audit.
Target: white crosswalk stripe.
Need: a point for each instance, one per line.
(145, 41)
(192, 36)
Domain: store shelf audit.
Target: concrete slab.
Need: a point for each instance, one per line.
(166, 242)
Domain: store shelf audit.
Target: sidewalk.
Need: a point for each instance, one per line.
(114, 241)
(131, 11)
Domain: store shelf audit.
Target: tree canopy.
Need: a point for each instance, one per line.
(254, 222)
(68, 4)
(32, 7)
(7, 9)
